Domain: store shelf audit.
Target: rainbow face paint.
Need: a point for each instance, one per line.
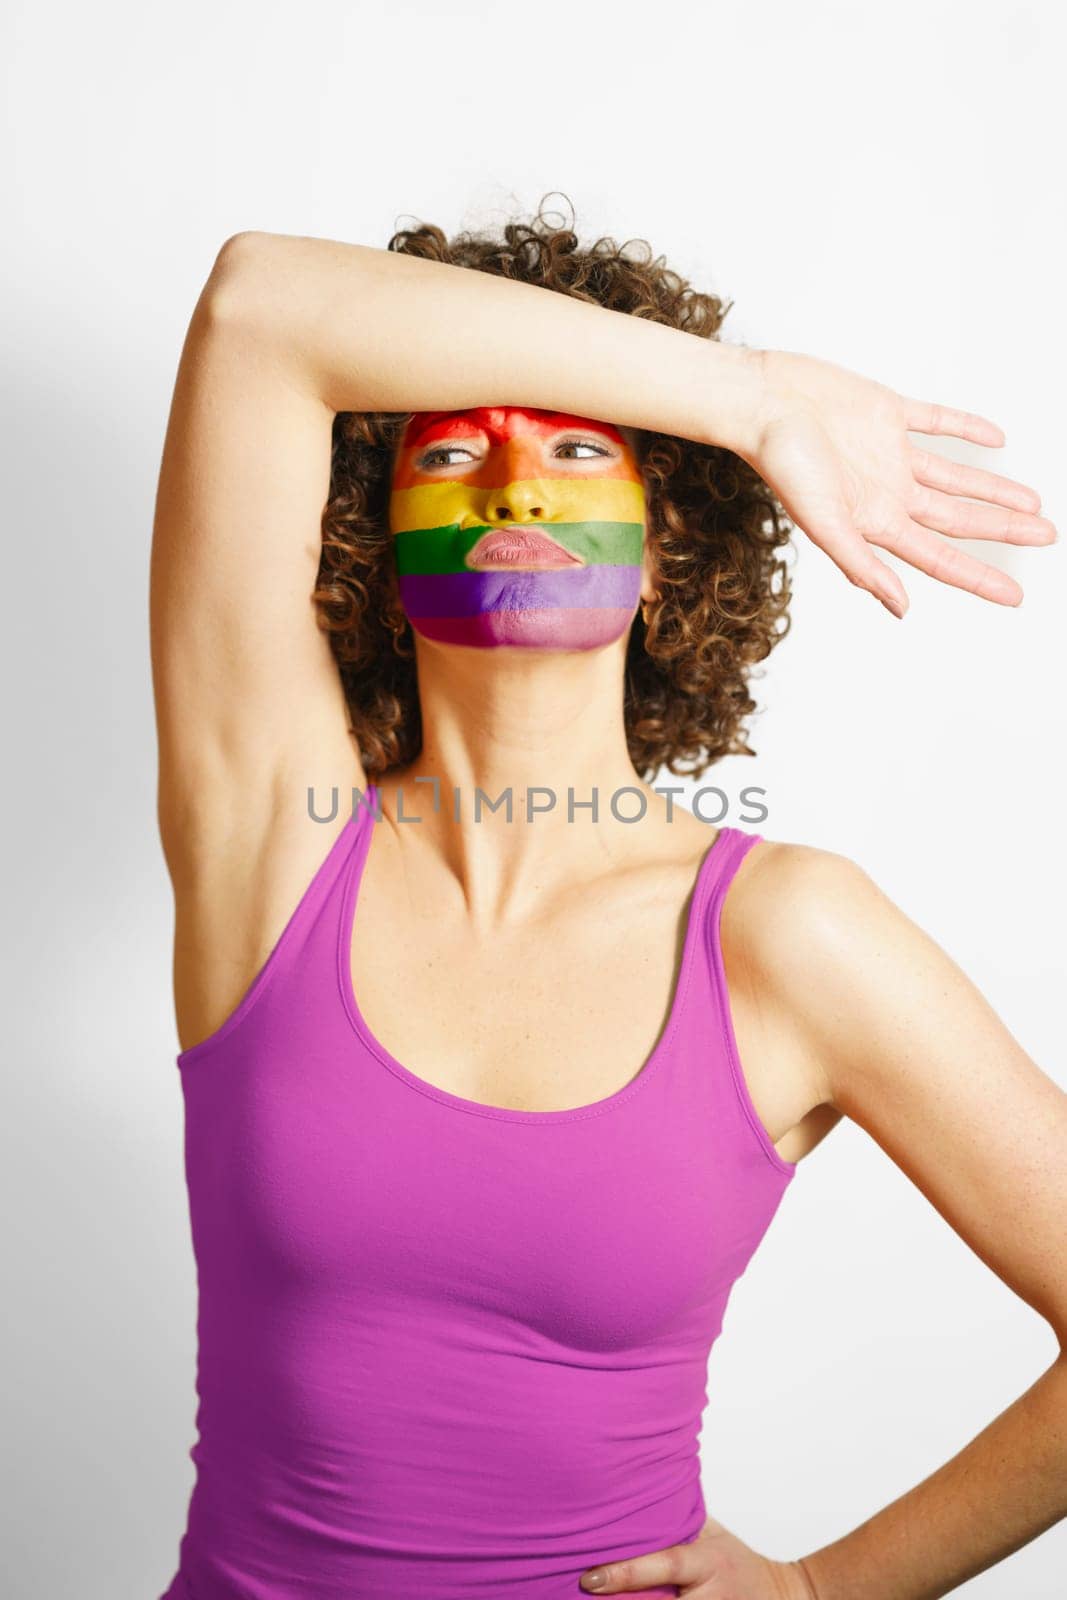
(517, 527)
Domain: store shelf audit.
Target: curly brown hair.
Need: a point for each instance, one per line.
(714, 528)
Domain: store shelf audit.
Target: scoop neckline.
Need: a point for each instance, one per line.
(692, 941)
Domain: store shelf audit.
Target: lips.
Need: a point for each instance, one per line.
(520, 547)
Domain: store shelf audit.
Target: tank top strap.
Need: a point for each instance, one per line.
(722, 866)
(307, 939)
(702, 985)
(697, 1005)
(330, 890)
(735, 1113)
(328, 880)
(726, 856)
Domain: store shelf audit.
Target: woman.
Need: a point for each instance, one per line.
(473, 1160)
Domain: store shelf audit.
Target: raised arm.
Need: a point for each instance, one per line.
(248, 697)
(287, 332)
(372, 327)
(249, 703)
(377, 330)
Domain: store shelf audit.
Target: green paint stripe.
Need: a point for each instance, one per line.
(439, 550)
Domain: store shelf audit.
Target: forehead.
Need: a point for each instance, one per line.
(499, 423)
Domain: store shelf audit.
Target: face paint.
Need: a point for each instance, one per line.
(510, 529)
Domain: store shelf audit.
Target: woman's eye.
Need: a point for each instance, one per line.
(432, 458)
(445, 455)
(583, 444)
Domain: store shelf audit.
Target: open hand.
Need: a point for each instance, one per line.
(714, 1566)
(834, 447)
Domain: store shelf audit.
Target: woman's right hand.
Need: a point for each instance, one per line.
(834, 447)
(716, 1565)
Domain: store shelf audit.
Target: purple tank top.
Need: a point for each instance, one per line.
(449, 1349)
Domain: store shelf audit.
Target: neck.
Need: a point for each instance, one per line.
(538, 723)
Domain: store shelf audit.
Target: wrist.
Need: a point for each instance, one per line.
(735, 411)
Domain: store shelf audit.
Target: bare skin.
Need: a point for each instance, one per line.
(840, 1004)
(553, 1004)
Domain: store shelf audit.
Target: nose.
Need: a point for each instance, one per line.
(522, 497)
(515, 503)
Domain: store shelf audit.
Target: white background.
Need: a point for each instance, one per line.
(877, 185)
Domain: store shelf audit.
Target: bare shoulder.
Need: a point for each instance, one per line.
(834, 961)
(788, 931)
(890, 1031)
(796, 888)
(796, 891)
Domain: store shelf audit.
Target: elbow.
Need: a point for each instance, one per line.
(235, 264)
(240, 246)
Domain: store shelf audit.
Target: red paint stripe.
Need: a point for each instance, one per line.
(498, 422)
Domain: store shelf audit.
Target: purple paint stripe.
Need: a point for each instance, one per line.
(468, 594)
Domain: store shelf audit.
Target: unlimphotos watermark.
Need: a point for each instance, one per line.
(537, 800)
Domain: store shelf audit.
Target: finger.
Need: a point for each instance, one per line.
(655, 1592)
(836, 537)
(922, 549)
(967, 519)
(661, 1570)
(924, 416)
(954, 478)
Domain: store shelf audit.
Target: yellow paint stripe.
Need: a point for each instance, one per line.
(442, 505)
